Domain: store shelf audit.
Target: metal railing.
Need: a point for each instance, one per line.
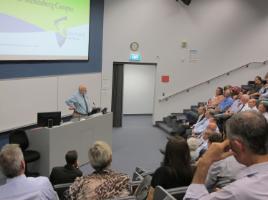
(166, 98)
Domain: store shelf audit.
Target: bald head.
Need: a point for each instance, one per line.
(82, 89)
(212, 126)
(244, 98)
(211, 129)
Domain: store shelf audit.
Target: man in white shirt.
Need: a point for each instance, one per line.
(251, 105)
(247, 142)
(200, 126)
(18, 186)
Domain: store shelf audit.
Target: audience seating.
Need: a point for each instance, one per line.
(61, 188)
(143, 188)
(140, 173)
(20, 137)
(172, 125)
(124, 198)
(162, 194)
(178, 193)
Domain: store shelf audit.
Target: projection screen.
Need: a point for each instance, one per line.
(44, 29)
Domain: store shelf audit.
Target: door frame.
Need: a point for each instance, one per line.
(116, 108)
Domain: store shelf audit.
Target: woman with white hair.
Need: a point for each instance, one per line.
(103, 183)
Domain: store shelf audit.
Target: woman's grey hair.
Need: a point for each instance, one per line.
(11, 158)
(250, 127)
(100, 155)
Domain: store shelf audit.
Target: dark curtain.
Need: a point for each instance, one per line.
(117, 97)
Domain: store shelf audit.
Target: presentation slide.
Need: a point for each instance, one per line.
(44, 29)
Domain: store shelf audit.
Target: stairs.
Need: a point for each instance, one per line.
(176, 123)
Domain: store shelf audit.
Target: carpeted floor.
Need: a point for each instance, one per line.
(137, 143)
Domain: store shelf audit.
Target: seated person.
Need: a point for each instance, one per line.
(201, 113)
(193, 144)
(68, 173)
(222, 173)
(226, 102)
(199, 127)
(263, 92)
(203, 144)
(176, 168)
(258, 83)
(18, 186)
(214, 102)
(247, 142)
(236, 106)
(103, 183)
(250, 105)
(263, 109)
(243, 101)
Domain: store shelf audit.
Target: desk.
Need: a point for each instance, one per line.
(53, 143)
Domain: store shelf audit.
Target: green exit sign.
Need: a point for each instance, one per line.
(135, 57)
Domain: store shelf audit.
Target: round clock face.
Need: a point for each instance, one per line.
(134, 46)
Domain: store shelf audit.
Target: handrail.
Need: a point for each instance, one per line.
(208, 81)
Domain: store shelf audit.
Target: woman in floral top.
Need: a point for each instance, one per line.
(104, 183)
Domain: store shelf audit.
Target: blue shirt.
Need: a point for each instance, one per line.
(77, 101)
(22, 187)
(236, 106)
(225, 104)
(201, 126)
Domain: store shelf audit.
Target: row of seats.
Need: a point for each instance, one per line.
(174, 123)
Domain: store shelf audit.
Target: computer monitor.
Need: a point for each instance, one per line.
(48, 119)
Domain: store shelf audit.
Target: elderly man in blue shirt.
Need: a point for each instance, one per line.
(79, 102)
(247, 142)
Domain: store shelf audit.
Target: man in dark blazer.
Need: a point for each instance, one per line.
(69, 172)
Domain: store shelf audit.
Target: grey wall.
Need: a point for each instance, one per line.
(44, 68)
(226, 34)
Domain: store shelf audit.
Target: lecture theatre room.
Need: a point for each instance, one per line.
(133, 100)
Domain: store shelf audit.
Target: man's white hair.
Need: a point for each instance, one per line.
(11, 158)
(100, 155)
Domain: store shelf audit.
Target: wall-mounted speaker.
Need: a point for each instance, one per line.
(186, 2)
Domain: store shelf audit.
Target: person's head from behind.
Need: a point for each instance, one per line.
(193, 143)
(219, 91)
(82, 89)
(214, 137)
(252, 103)
(177, 154)
(211, 128)
(71, 158)
(263, 107)
(100, 155)
(11, 161)
(248, 135)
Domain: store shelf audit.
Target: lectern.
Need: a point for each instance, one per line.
(53, 143)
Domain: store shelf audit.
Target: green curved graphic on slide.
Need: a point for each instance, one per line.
(49, 15)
